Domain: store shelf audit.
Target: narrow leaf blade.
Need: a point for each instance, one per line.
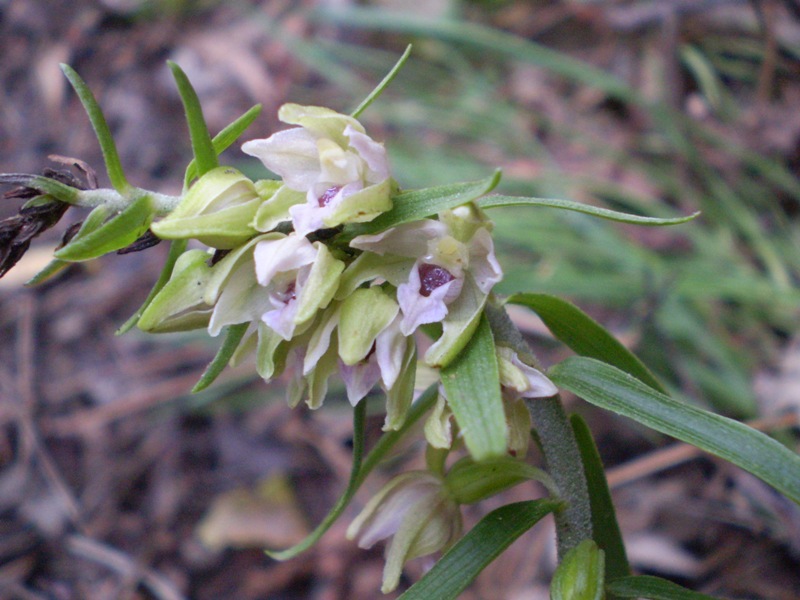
(584, 335)
(233, 337)
(418, 204)
(484, 542)
(653, 588)
(617, 391)
(374, 94)
(602, 213)
(472, 385)
(110, 155)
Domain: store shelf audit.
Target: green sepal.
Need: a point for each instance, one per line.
(364, 205)
(322, 122)
(438, 427)
(469, 481)
(580, 575)
(364, 314)
(458, 326)
(320, 286)
(401, 395)
(275, 209)
(472, 386)
(317, 379)
(270, 353)
(119, 231)
(217, 210)
(369, 266)
(179, 306)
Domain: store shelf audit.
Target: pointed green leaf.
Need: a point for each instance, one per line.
(472, 386)
(617, 391)
(374, 94)
(113, 165)
(53, 268)
(603, 213)
(121, 230)
(360, 470)
(233, 336)
(605, 529)
(204, 154)
(652, 588)
(471, 554)
(417, 204)
(224, 139)
(584, 335)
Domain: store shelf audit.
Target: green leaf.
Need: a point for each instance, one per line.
(605, 529)
(417, 204)
(121, 230)
(360, 470)
(472, 386)
(176, 248)
(471, 554)
(233, 336)
(204, 154)
(113, 165)
(374, 94)
(603, 213)
(653, 588)
(224, 139)
(615, 390)
(584, 335)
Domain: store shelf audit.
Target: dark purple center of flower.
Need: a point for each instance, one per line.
(290, 293)
(328, 195)
(432, 277)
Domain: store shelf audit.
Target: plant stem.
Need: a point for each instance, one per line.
(557, 441)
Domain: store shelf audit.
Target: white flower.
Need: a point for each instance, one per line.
(337, 172)
(448, 257)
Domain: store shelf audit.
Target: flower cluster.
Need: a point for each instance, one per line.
(315, 298)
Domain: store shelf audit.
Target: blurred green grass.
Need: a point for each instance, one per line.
(708, 303)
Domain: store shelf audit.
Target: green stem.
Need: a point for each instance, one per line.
(557, 441)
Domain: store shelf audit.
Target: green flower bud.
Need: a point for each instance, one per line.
(217, 210)
(179, 306)
(581, 574)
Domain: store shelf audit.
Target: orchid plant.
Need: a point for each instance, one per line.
(334, 270)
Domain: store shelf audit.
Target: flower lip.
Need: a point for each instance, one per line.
(431, 277)
(328, 196)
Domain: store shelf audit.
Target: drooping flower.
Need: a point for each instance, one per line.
(332, 171)
(416, 510)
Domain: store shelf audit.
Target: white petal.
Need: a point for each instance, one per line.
(410, 239)
(390, 349)
(539, 386)
(482, 261)
(285, 254)
(292, 154)
(373, 153)
(360, 378)
(337, 165)
(281, 319)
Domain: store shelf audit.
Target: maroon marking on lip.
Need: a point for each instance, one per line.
(432, 277)
(328, 195)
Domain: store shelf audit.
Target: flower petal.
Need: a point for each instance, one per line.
(292, 154)
(409, 239)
